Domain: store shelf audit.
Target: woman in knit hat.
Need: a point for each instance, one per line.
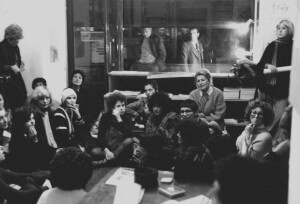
(68, 122)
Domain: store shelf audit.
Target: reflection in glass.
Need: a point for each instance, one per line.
(224, 28)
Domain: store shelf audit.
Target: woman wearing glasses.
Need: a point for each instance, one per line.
(11, 66)
(255, 141)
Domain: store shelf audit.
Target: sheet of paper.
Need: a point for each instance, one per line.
(129, 193)
(122, 175)
(201, 199)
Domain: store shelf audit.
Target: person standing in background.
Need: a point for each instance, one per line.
(11, 66)
(150, 53)
(192, 52)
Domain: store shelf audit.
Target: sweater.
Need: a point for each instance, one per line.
(215, 107)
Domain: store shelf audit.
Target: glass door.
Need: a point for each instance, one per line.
(92, 45)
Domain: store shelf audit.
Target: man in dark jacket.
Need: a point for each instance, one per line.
(150, 53)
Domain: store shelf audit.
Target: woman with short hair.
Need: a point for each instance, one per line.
(210, 100)
(11, 66)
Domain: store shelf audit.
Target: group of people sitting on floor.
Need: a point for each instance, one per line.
(47, 135)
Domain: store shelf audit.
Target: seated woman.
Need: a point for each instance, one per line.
(5, 123)
(29, 184)
(255, 141)
(139, 109)
(115, 132)
(209, 99)
(70, 169)
(161, 120)
(69, 125)
(76, 83)
(25, 147)
(41, 103)
(192, 130)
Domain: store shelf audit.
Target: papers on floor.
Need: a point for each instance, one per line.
(201, 199)
(122, 175)
(129, 193)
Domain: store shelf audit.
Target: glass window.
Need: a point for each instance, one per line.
(224, 27)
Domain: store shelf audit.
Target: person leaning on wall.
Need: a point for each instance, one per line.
(11, 66)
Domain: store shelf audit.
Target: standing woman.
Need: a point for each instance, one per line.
(255, 141)
(41, 102)
(275, 87)
(68, 122)
(210, 100)
(11, 66)
(76, 83)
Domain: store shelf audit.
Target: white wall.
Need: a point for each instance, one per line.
(271, 12)
(44, 26)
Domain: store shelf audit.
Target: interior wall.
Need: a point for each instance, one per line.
(271, 12)
(44, 46)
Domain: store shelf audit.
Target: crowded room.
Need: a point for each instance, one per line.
(149, 101)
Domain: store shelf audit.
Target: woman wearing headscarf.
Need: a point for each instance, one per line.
(68, 121)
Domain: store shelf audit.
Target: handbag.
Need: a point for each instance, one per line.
(244, 74)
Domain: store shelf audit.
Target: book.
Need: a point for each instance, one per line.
(171, 191)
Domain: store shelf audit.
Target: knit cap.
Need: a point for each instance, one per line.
(67, 92)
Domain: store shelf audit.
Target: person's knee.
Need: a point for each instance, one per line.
(97, 153)
(128, 142)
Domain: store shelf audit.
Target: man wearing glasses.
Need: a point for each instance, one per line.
(11, 66)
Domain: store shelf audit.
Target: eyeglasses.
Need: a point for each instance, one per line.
(258, 114)
(185, 111)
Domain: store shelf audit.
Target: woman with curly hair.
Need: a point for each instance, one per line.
(83, 98)
(161, 119)
(115, 132)
(255, 141)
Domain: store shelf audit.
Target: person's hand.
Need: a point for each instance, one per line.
(22, 67)
(116, 112)
(15, 69)
(249, 128)
(108, 154)
(40, 176)
(75, 109)
(272, 68)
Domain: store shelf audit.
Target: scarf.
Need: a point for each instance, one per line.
(48, 130)
(271, 78)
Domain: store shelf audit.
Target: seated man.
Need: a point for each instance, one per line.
(150, 53)
(70, 169)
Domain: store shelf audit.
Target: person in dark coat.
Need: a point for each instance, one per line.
(11, 66)
(150, 53)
